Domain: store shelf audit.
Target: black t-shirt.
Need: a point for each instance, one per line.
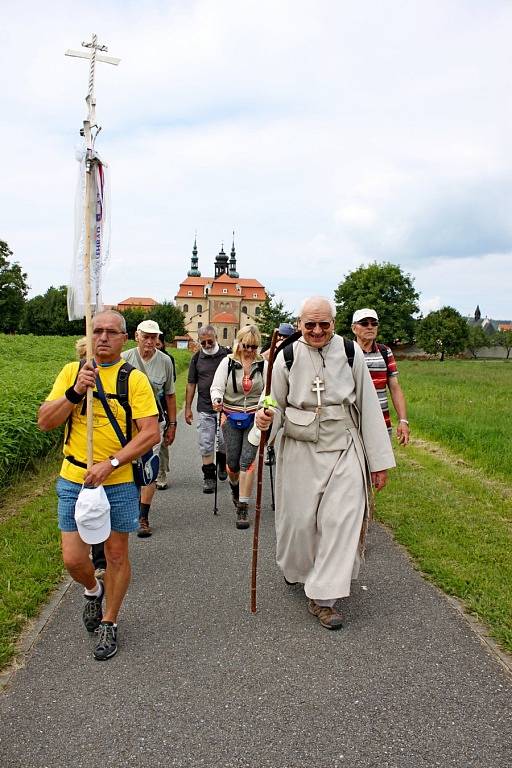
(201, 372)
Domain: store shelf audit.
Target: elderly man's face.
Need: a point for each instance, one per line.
(146, 342)
(207, 340)
(366, 329)
(107, 337)
(316, 323)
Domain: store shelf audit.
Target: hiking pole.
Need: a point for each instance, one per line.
(259, 476)
(270, 464)
(217, 434)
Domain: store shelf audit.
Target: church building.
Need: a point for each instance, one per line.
(226, 300)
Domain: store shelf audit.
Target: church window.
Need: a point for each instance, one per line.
(224, 290)
(257, 311)
(225, 333)
(255, 295)
(244, 310)
(189, 293)
(185, 307)
(199, 326)
(199, 308)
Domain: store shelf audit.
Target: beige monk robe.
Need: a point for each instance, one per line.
(322, 488)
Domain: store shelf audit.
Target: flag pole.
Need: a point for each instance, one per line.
(91, 162)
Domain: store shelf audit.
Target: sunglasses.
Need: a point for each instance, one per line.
(207, 343)
(324, 325)
(250, 346)
(366, 323)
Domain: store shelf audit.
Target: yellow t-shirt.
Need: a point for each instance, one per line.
(106, 443)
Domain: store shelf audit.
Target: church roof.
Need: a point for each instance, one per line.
(138, 301)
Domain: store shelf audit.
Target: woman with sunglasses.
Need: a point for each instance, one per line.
(235, 391)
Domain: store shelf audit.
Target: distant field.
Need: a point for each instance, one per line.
(465, 405)
(28, 366)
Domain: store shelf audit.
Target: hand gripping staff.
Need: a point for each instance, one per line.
(268, 402)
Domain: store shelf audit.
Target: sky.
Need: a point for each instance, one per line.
(327, 135)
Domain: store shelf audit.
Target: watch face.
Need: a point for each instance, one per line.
(114, 462)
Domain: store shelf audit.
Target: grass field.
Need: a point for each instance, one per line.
(466, 405)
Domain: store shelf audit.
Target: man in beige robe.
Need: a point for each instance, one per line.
(334, 444)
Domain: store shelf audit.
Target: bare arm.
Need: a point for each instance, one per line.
(54, 413)
(147, 436)
(170, 434)
(189, 397)
(398, 398)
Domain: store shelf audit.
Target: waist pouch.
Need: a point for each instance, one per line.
(301, 425)
(145, 469)
(241, 420)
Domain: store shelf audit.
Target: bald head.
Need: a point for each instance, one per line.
(317, 321)
(318, 303)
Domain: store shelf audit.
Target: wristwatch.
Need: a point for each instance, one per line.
(114, 462)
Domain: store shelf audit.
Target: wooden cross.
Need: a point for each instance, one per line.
(318, 386)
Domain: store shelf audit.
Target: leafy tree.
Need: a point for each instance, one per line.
(13, 290)
(47, 315)
(477, 339)
(502, 339)
(444, 332)
(170, 319)
(133, 317)
(272, 314)
(387, 290)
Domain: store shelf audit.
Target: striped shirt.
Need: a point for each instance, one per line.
(380, 374)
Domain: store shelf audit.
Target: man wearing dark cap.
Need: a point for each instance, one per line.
(382, 366)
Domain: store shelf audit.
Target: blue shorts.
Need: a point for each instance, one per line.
(123, 499)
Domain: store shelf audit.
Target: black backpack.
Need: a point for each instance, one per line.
(349, 351)
(121, 396)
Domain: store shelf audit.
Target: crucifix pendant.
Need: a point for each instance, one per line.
(318, 386)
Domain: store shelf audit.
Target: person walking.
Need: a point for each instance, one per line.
(382, 366)
(163, 471)
(200, 377)
(237, 385)
(158, 368)
(112, 469)
(335, 439)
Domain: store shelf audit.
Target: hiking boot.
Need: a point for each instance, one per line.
(93, 612)
(107, 641)
(208, 478)
(235, 493)
(161, 486)
(144, 528)
(221, 467)
(242, 515)
(328, 617)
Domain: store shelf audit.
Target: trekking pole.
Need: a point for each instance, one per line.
(271, 462)
(217, 434)
(259, 476)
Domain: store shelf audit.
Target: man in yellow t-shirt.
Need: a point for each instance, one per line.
(111, 468)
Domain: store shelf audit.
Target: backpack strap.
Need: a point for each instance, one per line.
(288, 353)
(69, 422)
(383, 350)
(115, 425)
(231, 370)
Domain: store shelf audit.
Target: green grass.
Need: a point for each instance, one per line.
(458, 529)
(466, 406)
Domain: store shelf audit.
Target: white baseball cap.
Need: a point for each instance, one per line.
(92, 515)
(360, 314)
(149, 326)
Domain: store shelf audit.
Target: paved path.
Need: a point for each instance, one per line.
(199, 681)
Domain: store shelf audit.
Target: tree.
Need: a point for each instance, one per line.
(272, 314)
(133, 317)
(170, 319)
(502, 339)
(477, 339)
(444, 332)
(47, 315)
(13, 290)
(387, 290)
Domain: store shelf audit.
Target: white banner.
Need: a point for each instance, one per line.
(99, 224)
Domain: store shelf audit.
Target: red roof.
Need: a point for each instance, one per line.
(138, 301)
(224, 317)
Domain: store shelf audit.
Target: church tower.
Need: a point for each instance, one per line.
(221, 263)
(194, 262)
(232, 261)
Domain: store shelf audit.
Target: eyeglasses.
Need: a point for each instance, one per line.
(108, 331)
(324, 325)
(250, 346)
(366, 323)
(207, 343)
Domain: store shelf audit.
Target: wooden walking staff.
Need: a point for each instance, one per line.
(259, 476)
(90, 207)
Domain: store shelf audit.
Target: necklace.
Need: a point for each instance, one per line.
(318, 383)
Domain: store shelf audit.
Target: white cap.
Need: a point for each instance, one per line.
(360, 314)
(149, 326)
(92, 515)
